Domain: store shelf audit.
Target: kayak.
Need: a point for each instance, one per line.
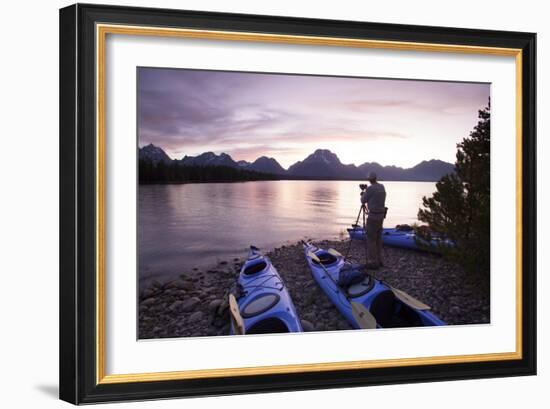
(405, 239)
(384, 302)
(263, 300)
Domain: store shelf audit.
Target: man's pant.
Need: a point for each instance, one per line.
(373, 231)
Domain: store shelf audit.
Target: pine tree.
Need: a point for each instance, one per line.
(460, 207)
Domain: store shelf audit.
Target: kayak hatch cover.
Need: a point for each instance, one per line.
(264, 302)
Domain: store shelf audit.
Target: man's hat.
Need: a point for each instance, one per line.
(371, 176)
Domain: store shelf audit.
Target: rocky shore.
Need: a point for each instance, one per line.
(195, 304)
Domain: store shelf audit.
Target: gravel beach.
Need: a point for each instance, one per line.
(195, 304)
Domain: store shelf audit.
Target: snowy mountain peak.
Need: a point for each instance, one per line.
(209, 159)
(154, 154)
(324, 156)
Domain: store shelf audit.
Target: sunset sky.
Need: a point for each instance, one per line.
(246, 115)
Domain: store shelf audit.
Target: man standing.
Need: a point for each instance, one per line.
(375, 198)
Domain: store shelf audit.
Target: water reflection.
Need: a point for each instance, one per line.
(196, 225)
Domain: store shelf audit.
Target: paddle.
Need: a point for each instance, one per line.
(400, 294)
(409, 299)
(236, 319)
(363, 317)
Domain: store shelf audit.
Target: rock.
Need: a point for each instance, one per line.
(190, 304)
(149, 301)
(455, 310)
(320, 326)
(325, 303)
(343, 325)
(310, 316)
(171, 285)
(175, 305)
(195, 317)
(307, 326)
(186, 285)
(170, 292)
(149, 292)
(223, 263)
(214, 305)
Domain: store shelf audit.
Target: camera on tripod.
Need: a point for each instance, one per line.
(363, 186)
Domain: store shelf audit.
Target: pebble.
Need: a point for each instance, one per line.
(186, 285)
(149, 301)
(307, 326)
(309, 316)
(175, 305)
(196, 316)
(148, 293)
(189, 304)
(214, 305)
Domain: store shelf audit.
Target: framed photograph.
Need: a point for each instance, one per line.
(257, 203)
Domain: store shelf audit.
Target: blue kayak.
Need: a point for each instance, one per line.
(378, 297)
(263, 299)
(405, 239)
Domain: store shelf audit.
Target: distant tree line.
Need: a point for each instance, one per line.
(175, 172)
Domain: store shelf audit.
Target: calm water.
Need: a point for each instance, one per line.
(198, 225)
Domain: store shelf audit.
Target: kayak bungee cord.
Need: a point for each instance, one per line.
(337, 289)
(340, 292)
(258, 287)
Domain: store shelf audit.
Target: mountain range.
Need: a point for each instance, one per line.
(321, 164)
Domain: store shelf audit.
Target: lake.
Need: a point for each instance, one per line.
(183, 226)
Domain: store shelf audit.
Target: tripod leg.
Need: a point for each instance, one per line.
(362, 211)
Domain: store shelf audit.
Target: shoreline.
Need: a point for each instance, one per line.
(195, 304)
(172, 182)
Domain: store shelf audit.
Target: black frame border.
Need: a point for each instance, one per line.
(78, 197)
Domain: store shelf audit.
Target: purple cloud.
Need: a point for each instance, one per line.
(187, 112)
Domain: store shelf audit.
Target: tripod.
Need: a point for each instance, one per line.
(362, 215)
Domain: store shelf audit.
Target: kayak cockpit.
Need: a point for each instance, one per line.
(391, 313)
(271, 325)
(325, 258)
(253, 268)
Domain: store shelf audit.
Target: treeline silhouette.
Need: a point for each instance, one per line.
(175, 172)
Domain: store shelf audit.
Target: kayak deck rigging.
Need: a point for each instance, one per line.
(378, 297)
(263, 300)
